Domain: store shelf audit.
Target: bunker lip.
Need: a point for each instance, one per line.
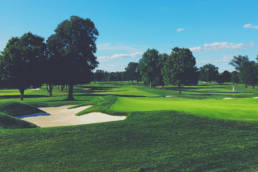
(66, 116)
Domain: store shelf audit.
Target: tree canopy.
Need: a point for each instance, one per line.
(21, 62)
(73, 49)
(150, 67)
(209, 73)
(179, 68)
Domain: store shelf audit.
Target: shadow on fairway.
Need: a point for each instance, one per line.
(119, 95)
(25, 96)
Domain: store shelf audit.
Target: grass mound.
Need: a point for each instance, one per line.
(9, 122)
(17, 109)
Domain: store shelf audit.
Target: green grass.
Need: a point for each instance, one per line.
(195, 131)
(161, 141)
(10, 122)
(18, 109)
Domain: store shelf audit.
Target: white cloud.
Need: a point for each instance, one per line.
(115, 56)
(250, 26)
(180, 29)
(221, 45)
(112, 47)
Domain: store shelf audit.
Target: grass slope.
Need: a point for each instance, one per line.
(9, 122)
(18, 109)
(159, 141)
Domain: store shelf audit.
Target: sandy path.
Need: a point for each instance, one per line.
(62, 116)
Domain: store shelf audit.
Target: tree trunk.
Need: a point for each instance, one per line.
(246, 86)
(50, 89)
(150, 85)
(21, 93)
(70, 92)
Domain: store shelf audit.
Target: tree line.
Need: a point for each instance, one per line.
(67, 57)
(179, 68)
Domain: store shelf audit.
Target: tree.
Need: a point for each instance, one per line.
(180, 69)
(238, 62)
(248, 73)
(149, 67)
(209, 73)
(99, 75)
(224, 77)
(75, 55)
(247, 70)
(21, 62)
(132, 72)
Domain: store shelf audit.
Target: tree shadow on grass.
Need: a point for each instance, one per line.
(25, 96)
(119, 95)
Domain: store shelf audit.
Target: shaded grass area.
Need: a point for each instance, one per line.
(10, 122)
(18, 109)
(160, 141)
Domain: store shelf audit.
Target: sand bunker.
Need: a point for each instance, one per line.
(256, 97)
(227, 98)
(168, 96)
(62, 116)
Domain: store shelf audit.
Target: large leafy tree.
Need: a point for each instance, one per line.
(21, 62)
(150, 67)
(72, 49)
(224, 77)
(247, 70)
(209, 73)
(132, 72)
(180, 69)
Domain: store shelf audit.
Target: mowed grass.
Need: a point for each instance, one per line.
(243, 109)
(157, 141)
(195, 131)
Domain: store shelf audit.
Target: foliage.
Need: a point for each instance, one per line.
(21, 62)
(73, 48)
(179, 68)
(132, 72)
(209, 73)
(150, 68)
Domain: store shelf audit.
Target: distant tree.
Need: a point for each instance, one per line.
(21, 62)
(238, 62)
(235, 79)
(99, 75)
(248, 73)
(180, 69)
(149, 67)
(75, 56)
(209, 73)
(132, 72)
(247, 70)
(224, 77)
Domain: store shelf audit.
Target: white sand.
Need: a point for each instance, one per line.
(62, 116)
(169, 96)
(227, 98)
(34, 89)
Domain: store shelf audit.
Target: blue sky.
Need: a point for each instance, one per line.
(215, 30)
